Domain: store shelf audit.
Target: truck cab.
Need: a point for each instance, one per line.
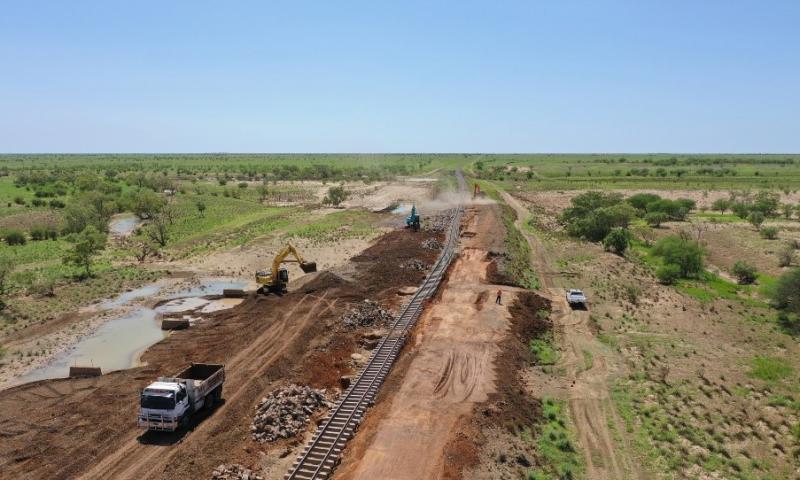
(169, 402)
(163, 406)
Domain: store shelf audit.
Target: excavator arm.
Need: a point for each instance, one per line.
(285, 252)
(273, 280)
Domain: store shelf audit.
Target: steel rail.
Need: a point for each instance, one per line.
(323, 452)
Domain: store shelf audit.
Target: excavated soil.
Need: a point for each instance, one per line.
(86, 428)
(511, 410)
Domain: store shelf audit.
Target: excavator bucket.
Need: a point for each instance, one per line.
(308, 267)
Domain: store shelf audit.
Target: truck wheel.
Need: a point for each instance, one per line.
(183, 422)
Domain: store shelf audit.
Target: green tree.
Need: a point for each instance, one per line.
(655, 219)
(721, 205)
(617, 240)
(88, 244)
(641, 200)
(685, 253)
(786, 295)
(594, 214)
(144, 202)
(767, 203)
(745, 273)
(91, 208)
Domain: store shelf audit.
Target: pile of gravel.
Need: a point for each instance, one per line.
(286, 411)
(414, 264)
(432, 244)
(439, 222)
(234, 472)
(367, 313)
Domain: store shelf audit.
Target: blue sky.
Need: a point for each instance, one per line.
(294, 76)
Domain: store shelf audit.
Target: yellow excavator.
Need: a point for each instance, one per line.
(275, 280)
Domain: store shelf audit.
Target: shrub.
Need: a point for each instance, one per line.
(673, 209)
(617, 240)
(744, 272)
(38, 233)
(655, 219)
(786, 295)
(335, 196)
(755, 218)
(740, 209)
(668, 274)
(42, 286)
(770, 233)
(15, 237)
(38, 202)
(786, 256)
(242, 184)
(19, 200)
(685, 253)
(56, 204)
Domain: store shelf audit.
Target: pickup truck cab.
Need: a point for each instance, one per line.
(168, 403)
(576, 297)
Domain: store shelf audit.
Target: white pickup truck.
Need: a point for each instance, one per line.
(576, 297)
(168, 403)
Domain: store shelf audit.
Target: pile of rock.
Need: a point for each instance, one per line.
(414, 264)
(432, 244)
(367, 313)
(286, 412)
(439, 222)
(234, 472)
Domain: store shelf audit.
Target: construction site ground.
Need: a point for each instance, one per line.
(86, 428)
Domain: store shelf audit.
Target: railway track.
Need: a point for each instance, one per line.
(321, 455)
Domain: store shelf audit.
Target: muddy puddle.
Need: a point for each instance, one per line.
(123, 224)
(118, 343)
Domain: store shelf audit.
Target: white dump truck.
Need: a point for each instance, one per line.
(168, 403)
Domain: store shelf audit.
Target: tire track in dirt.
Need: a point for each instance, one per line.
(585, 387)
(135, 460)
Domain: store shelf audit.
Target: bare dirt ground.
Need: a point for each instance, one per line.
(452, 370)
(87, 427)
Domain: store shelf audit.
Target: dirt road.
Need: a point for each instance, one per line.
(588, 366)
(451, 371)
